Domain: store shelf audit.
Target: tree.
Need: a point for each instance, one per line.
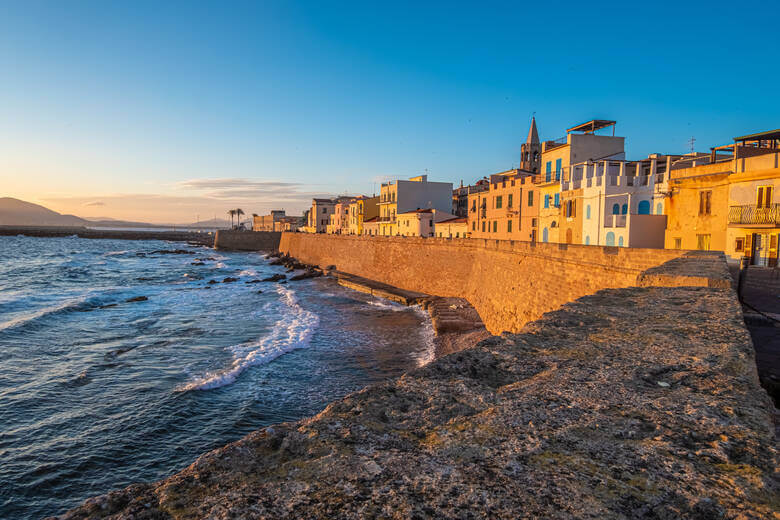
(232, 213)
(239, 212)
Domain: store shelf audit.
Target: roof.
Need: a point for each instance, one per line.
(416, 211)
(372, 219)
(591, 126)
(760, 136)
(331, 201)
(455, 220)
(533, 135)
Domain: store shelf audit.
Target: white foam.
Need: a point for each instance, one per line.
(248, 272)
(389, 306)
(115, 253)
(218, 265)
(292, 331)
(428, 334)
(32, 316)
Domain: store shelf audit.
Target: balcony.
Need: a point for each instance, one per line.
(753, 215)
(615, 221)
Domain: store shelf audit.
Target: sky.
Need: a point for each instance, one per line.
(171, 111)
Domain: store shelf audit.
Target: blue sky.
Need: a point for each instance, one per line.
(162, 111)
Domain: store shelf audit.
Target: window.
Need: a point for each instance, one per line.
(508, 226)
(587, 240)
(483, 226)
(495, 226)
(678, 243)
(587, 212)
(544, 235)
(547, 201)
(739, 245)
(610, 238)
(509, 200)
(624, 209)
(620, 241)
(557, 169)
(530, 198)
(705, 200)
(499, 202)
(616, 209)
(557, 200)
(324, 211)
(473, 226)
(659, 209)
(548, 171)
(703, 242)
(644, 207)
(763, 196)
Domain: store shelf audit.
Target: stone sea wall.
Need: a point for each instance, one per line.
(637, 402)
(509, 283)
(247, 240)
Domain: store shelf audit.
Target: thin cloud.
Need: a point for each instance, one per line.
(95, 203)
(228, 183)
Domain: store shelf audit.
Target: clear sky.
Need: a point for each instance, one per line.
(170, 111)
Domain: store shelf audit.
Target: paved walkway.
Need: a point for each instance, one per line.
(761, 298)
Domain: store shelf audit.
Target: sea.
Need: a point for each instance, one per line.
(123, 361)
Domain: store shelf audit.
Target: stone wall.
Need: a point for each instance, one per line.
(247, 240)
(509, 283)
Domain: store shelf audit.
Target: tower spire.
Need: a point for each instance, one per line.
(533, 135)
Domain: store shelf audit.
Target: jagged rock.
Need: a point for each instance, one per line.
(253, 281)
(259, 292)
(197, 263)
(171, 252)
(137, 299)
(211, 282)
(309, 273)
(274, 278)
(229, 279)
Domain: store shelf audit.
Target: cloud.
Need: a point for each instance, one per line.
(95, 203)
(236, 189)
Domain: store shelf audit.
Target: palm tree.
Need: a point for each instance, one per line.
(239, 212)
(232, 213)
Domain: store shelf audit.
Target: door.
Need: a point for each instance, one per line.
(756, 256)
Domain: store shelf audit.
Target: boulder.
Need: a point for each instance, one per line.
(229, 280)
(274, 278)
(137, 299)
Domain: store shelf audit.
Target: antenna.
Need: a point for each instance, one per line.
(692, 142)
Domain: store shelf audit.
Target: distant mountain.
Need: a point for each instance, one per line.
(15, 212)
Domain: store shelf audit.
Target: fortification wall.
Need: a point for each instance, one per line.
(509, 283)
(247, 240)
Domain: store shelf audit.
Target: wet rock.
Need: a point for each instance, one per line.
(229, 279)
(197, 263)
(259, 292)
(171, 252)
(211, 282)
(274, 278)
(137, 299)
(253, 281)
(309, 273)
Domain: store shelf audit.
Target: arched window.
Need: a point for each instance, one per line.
(610, 238)
(659, 209)
(625, 209)
(587, 212)
(616, 209)
(587, 239)
(644, 207)
(544, 235)
(620, 241)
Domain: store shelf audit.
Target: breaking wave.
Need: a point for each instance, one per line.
(68, 305)
(292, 331)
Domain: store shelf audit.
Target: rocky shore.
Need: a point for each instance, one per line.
(640, 402)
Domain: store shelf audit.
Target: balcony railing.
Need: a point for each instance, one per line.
(751, 214)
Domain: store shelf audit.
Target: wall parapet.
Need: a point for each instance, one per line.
(247, 240)
(509, 282)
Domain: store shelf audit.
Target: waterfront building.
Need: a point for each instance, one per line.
(289, 223)
(754, 205)
(456, 227)
(338, 222)
(400, 196)
(460, 196)
(319, 215)
(267, 222)
(371, 226)
(361, 209)
(421, 222)
(507, 210)
(615, 202)
(581, 143)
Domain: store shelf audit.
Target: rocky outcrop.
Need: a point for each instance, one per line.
(639, 402)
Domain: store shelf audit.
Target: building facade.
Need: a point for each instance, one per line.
(267, 222)
(361, 209)
(421, 222)
(456, 227)
(400, 196)
(507, 210)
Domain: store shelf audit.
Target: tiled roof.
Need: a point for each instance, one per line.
(456, 220)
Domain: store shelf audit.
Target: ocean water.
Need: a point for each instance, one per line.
(98, 392)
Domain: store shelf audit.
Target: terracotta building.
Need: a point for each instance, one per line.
(508, 210)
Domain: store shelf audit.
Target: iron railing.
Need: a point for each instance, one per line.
(752, 214)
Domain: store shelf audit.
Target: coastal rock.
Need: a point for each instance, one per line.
(212, 282)
(253, 281)
(274, 278)
(137, 299)
(230, 279)
(171, 252)
(561, 420)
(309, 273)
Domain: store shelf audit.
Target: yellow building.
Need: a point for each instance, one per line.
(456, 227)
(400, 196)
(580, 144)
(360, 210)
(507, 210)
(753, 208)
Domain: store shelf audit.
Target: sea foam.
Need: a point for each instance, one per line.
(292, 331)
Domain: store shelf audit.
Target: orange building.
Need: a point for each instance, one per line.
(508, 210)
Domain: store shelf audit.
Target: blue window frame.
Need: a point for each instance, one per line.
(610, 238)
(548, 172)
(546, 201)
(557, 200)
(587, 212)
(616, 209)
(587, 240)
(659, 209)
(620, 241)
(625, 209)
(557, 169)
(544, 235)
(644, 207)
